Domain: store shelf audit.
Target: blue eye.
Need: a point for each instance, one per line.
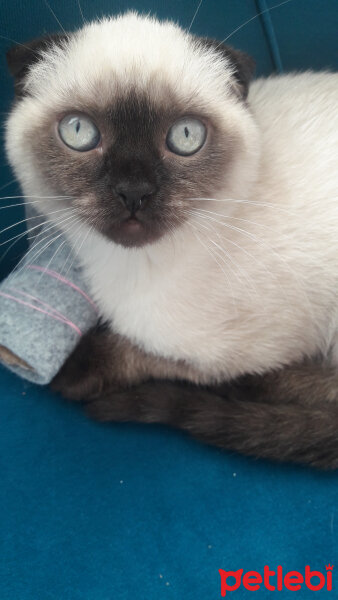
(79, 132)
(186, 136)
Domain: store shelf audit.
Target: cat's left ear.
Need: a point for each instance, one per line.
(243, 65)
(22, 57)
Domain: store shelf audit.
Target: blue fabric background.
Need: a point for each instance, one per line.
(105, 512)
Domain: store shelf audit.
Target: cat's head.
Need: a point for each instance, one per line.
(131, 119)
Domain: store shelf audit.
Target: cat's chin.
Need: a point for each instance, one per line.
(132, 233)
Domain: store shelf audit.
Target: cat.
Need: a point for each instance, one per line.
(204, 215)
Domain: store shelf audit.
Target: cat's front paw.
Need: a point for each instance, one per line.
(84, 374)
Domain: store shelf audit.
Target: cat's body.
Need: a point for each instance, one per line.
(233, 268)
(274, 300)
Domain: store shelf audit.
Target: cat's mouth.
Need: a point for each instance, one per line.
(132, 225)
(131, 229)
(131, 232)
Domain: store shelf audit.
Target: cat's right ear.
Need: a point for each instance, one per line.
(22, 57)
(243, 65)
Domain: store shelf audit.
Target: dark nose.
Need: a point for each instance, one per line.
(134, 196)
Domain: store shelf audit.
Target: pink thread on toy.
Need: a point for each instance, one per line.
(45, 312)
(54, 310)
(63, 280)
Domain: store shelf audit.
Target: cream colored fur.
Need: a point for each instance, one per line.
(250, 285)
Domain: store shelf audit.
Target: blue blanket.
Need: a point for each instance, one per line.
(117, 512)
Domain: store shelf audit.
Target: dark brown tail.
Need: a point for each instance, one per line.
(241, 417)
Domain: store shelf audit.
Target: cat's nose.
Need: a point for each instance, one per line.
(134, 197)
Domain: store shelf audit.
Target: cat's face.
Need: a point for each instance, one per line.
(132, 120)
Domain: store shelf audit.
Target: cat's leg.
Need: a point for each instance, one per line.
(310, 382)
(290, 415)
(287, 415)
(105, 360)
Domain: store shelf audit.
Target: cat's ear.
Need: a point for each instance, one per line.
(242, 63)
(22, 57)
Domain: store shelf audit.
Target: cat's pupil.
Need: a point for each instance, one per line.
(186, 131)
(77, 128)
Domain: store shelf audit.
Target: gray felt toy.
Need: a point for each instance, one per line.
(44, 310)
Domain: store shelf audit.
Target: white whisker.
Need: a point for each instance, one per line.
(30, 229)
(35, 217)
(77, 251)
(252, 19)
(19, 235)
(55, 17)
(65, 241)
(81, 13)
(223, 250)
(252, 257)
(7, 184)
(75, 235)
(3, 37)
(296, 276)
(51, 260)
(249, 202)
(220, 266)
(29, 203)
(195, 15)
(40, 241)
(41, 197)
(246, 279)
(239, 268)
